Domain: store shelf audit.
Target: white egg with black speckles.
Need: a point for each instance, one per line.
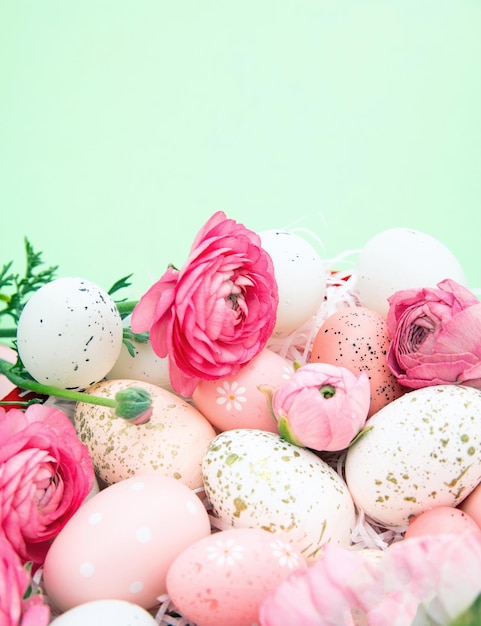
(300, 275)
(69, 333)
(255, 479)
(357, 338)
(423, 450)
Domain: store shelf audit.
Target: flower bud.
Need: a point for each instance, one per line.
(134, 404)
(322, 406)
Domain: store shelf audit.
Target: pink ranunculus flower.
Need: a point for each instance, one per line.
(17, 607)
(45, 475)
(322, 406)
(435, 336)
(423, 580)
(217, 312)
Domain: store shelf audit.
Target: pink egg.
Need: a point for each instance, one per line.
(441, 519)
(357, 338)
(236, 402)
(223, 579)
(122, 541)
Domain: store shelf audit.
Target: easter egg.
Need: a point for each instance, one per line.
(121, 542)
(422, 450)
(105, 613)
(357, 338)
(300, 275)
(172, 443)
(144, 364)
(236, 401)
(440, 520)
(223, 578)
(69, 333)
(255, 479)
(402, 258)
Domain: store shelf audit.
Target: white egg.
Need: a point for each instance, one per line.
(69, 333)
(402, 258)
(300, 275)
(106, 613)
(255, 479)
(423, 450)
(145, 365)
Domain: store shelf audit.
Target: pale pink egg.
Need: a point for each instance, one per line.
(441, 519)
(122, 541)
(236, 401)
(223, 579)
(357, 338)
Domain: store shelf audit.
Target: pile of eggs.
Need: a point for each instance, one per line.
(205, 506)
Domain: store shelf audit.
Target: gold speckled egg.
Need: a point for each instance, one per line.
(172, 443)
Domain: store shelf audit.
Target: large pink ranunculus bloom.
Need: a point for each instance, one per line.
(217, 312)
(15, 609)
(45, 474)
(322, 406)
(422, 580)
(435, 336)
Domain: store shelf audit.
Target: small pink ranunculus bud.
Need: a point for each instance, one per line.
(322, 406)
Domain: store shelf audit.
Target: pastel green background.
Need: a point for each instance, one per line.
(125, 124)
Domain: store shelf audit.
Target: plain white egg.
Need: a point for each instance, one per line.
(69, 334)
(106, 613)
(300, 275)
(145, 365)
(402, 258)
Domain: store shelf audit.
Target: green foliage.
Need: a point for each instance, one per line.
(472, 615)
(15, 289)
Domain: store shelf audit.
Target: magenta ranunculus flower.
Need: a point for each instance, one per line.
(322, 406)
(217, 312)
(424, 580)
(45, 475)
(17, 607)
(435, 336)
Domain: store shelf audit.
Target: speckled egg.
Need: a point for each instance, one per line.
(236, 402)
(69, 333)
(357, 338)
(223, 579)
(172, 443)
(255, 479)
(120, 544)
(423, 450)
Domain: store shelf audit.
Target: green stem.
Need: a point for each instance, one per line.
(126, 308)
(48, 390)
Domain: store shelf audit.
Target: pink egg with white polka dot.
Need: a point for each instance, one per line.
(121, 543)
(236, 401)
(223, 579)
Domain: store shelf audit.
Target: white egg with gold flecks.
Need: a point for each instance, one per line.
(421, 451)
(255, 479)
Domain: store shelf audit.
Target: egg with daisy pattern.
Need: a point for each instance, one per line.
(223, 578)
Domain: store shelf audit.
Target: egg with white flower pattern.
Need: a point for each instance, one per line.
(255, 479)
(223, 578)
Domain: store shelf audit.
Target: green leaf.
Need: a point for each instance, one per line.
(122, 283)
(470, 617)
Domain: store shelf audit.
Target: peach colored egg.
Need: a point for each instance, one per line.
(236, 402)
(439, 520)
(472, 505)
(223, 579)
(357, 338)
(121, 543)
(172, 443)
